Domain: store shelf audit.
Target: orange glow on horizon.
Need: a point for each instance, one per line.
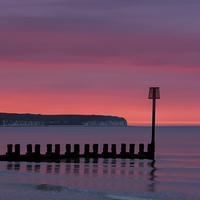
(137, 113)
(52, 88)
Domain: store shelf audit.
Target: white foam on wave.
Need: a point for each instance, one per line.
(118, 197)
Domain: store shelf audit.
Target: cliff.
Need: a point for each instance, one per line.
(10, 119)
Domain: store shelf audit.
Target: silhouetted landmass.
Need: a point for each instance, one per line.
(10, 119)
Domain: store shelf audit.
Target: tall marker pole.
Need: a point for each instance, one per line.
(154, 93)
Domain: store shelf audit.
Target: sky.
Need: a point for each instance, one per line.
(100, 57)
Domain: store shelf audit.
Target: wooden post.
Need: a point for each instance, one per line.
(17, 149)
(113, 150)
(132, 150)
(141, 148)
(76, 149)
(105, 149)
(149, 150)
(9, 149)
(49, 149)
(57, 149)
(87, 149)
(95, 149)
(68, 148)
(123, 148)
(29, 148)
(37, 149)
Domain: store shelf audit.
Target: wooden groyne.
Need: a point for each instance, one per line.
(55, 155)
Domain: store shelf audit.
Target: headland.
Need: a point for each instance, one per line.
(15, 119)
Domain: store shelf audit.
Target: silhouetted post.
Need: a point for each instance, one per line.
(154, 93)
(9, 149)
(123, 149)
(76, 149)
(37, 149)
(105, 149)
(29, 148)
(113, 149)
(49, 149)
(68, 148)
(57, 149)
(132, 150)
(87, 149)
(141, 148)
(149, 149)
(17, 149)
(95, 149)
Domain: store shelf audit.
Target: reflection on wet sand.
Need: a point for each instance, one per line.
(152, 176)
(89, 167)
(57, 168)
(37, 168)
(29, 168)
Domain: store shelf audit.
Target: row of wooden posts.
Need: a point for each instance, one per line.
(10, 155)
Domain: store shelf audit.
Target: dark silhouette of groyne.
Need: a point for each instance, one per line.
(13, 154)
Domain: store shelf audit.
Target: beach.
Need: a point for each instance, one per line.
(173, 175)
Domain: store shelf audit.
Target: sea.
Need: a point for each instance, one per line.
(174, 175)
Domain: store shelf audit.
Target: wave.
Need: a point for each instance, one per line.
(46, 187)
(20, 191)
(119, 197)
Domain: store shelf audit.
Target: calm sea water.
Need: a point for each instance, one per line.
(175, 174)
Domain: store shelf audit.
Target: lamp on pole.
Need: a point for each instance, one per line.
(154, 93)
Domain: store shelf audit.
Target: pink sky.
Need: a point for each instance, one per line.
(101, 57)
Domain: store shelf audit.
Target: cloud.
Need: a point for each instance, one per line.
(71, 48)
(147, 33)
(127, 17)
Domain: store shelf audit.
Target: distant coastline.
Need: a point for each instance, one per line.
(38, 120)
